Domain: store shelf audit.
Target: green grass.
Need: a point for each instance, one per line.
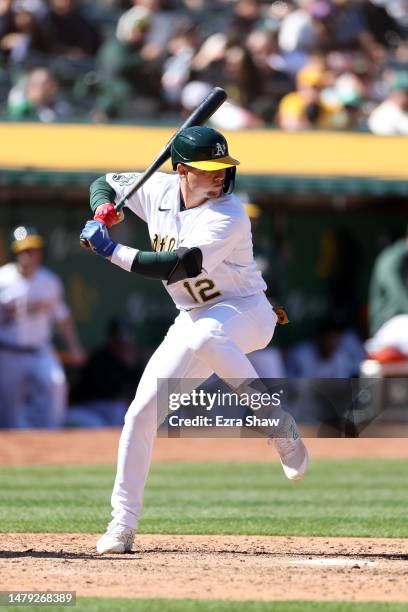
(337, 498)
(93, 604)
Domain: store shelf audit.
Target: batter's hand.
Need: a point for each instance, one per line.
(74, 359)
(282, 315)
(96, 235)
(107, 214)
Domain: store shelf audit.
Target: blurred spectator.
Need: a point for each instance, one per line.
(72, 33)
(391, 116)
(327, 25)
(177, 67)
(306, 107)
(297, 30)
(23, 40)
(273, 72)
(32, 381)
(239, 76)
(246, 14)
(36, 97)
(129, 79)
(348, 92)
(398, 9)
(163, 23)
(229, 116)
(326, 356)
(398, 60)
(300, 64)
(382, 23)
(101, 396)
(231, 66)
(210, 53)
(389, 285)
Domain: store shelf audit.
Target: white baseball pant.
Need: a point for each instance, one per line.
(33, 389)
(200, 342)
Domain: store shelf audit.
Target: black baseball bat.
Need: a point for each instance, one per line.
(199, 116)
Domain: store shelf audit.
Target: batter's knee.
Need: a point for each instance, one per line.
(141, 417)
(204, 338)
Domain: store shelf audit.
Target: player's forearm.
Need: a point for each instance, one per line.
(170, 266)
(102, 198)
(148, 263)
(100, 193)
(164, 265)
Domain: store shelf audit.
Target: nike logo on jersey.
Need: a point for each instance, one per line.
(164, 209)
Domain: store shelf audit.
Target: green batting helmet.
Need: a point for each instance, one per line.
(25, 237)
(206, 149)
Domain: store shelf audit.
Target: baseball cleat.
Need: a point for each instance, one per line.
(292, 451)
(117, 539)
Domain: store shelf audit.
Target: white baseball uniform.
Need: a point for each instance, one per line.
(32, 381)
(224, 314)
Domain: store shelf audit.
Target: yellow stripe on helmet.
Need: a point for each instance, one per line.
(213, 164)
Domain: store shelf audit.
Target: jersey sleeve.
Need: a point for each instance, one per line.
(218, 240)
(121, 184)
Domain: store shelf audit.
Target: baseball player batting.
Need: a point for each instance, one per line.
(203, 254)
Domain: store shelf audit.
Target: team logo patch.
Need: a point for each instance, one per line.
(220, 149)
(123, 179)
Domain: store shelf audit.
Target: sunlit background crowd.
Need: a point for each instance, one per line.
(295, 64)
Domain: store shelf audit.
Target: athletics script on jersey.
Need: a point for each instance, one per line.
(165, 243)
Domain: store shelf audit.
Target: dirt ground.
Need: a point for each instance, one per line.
(203, 567)
(227, 567)
(100, 446)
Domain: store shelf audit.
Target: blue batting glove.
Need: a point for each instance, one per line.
(97, 236)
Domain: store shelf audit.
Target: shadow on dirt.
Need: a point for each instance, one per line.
(44, 554)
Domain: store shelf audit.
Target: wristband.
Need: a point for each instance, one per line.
(123, 256)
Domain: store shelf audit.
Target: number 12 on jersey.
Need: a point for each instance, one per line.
(202, 291)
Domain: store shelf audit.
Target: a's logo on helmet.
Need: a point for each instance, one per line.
(220, 149)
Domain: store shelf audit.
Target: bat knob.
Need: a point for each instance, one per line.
(84, 243)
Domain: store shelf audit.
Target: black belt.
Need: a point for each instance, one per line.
(18, 349)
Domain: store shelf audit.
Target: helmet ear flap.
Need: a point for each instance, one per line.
(229, 182)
